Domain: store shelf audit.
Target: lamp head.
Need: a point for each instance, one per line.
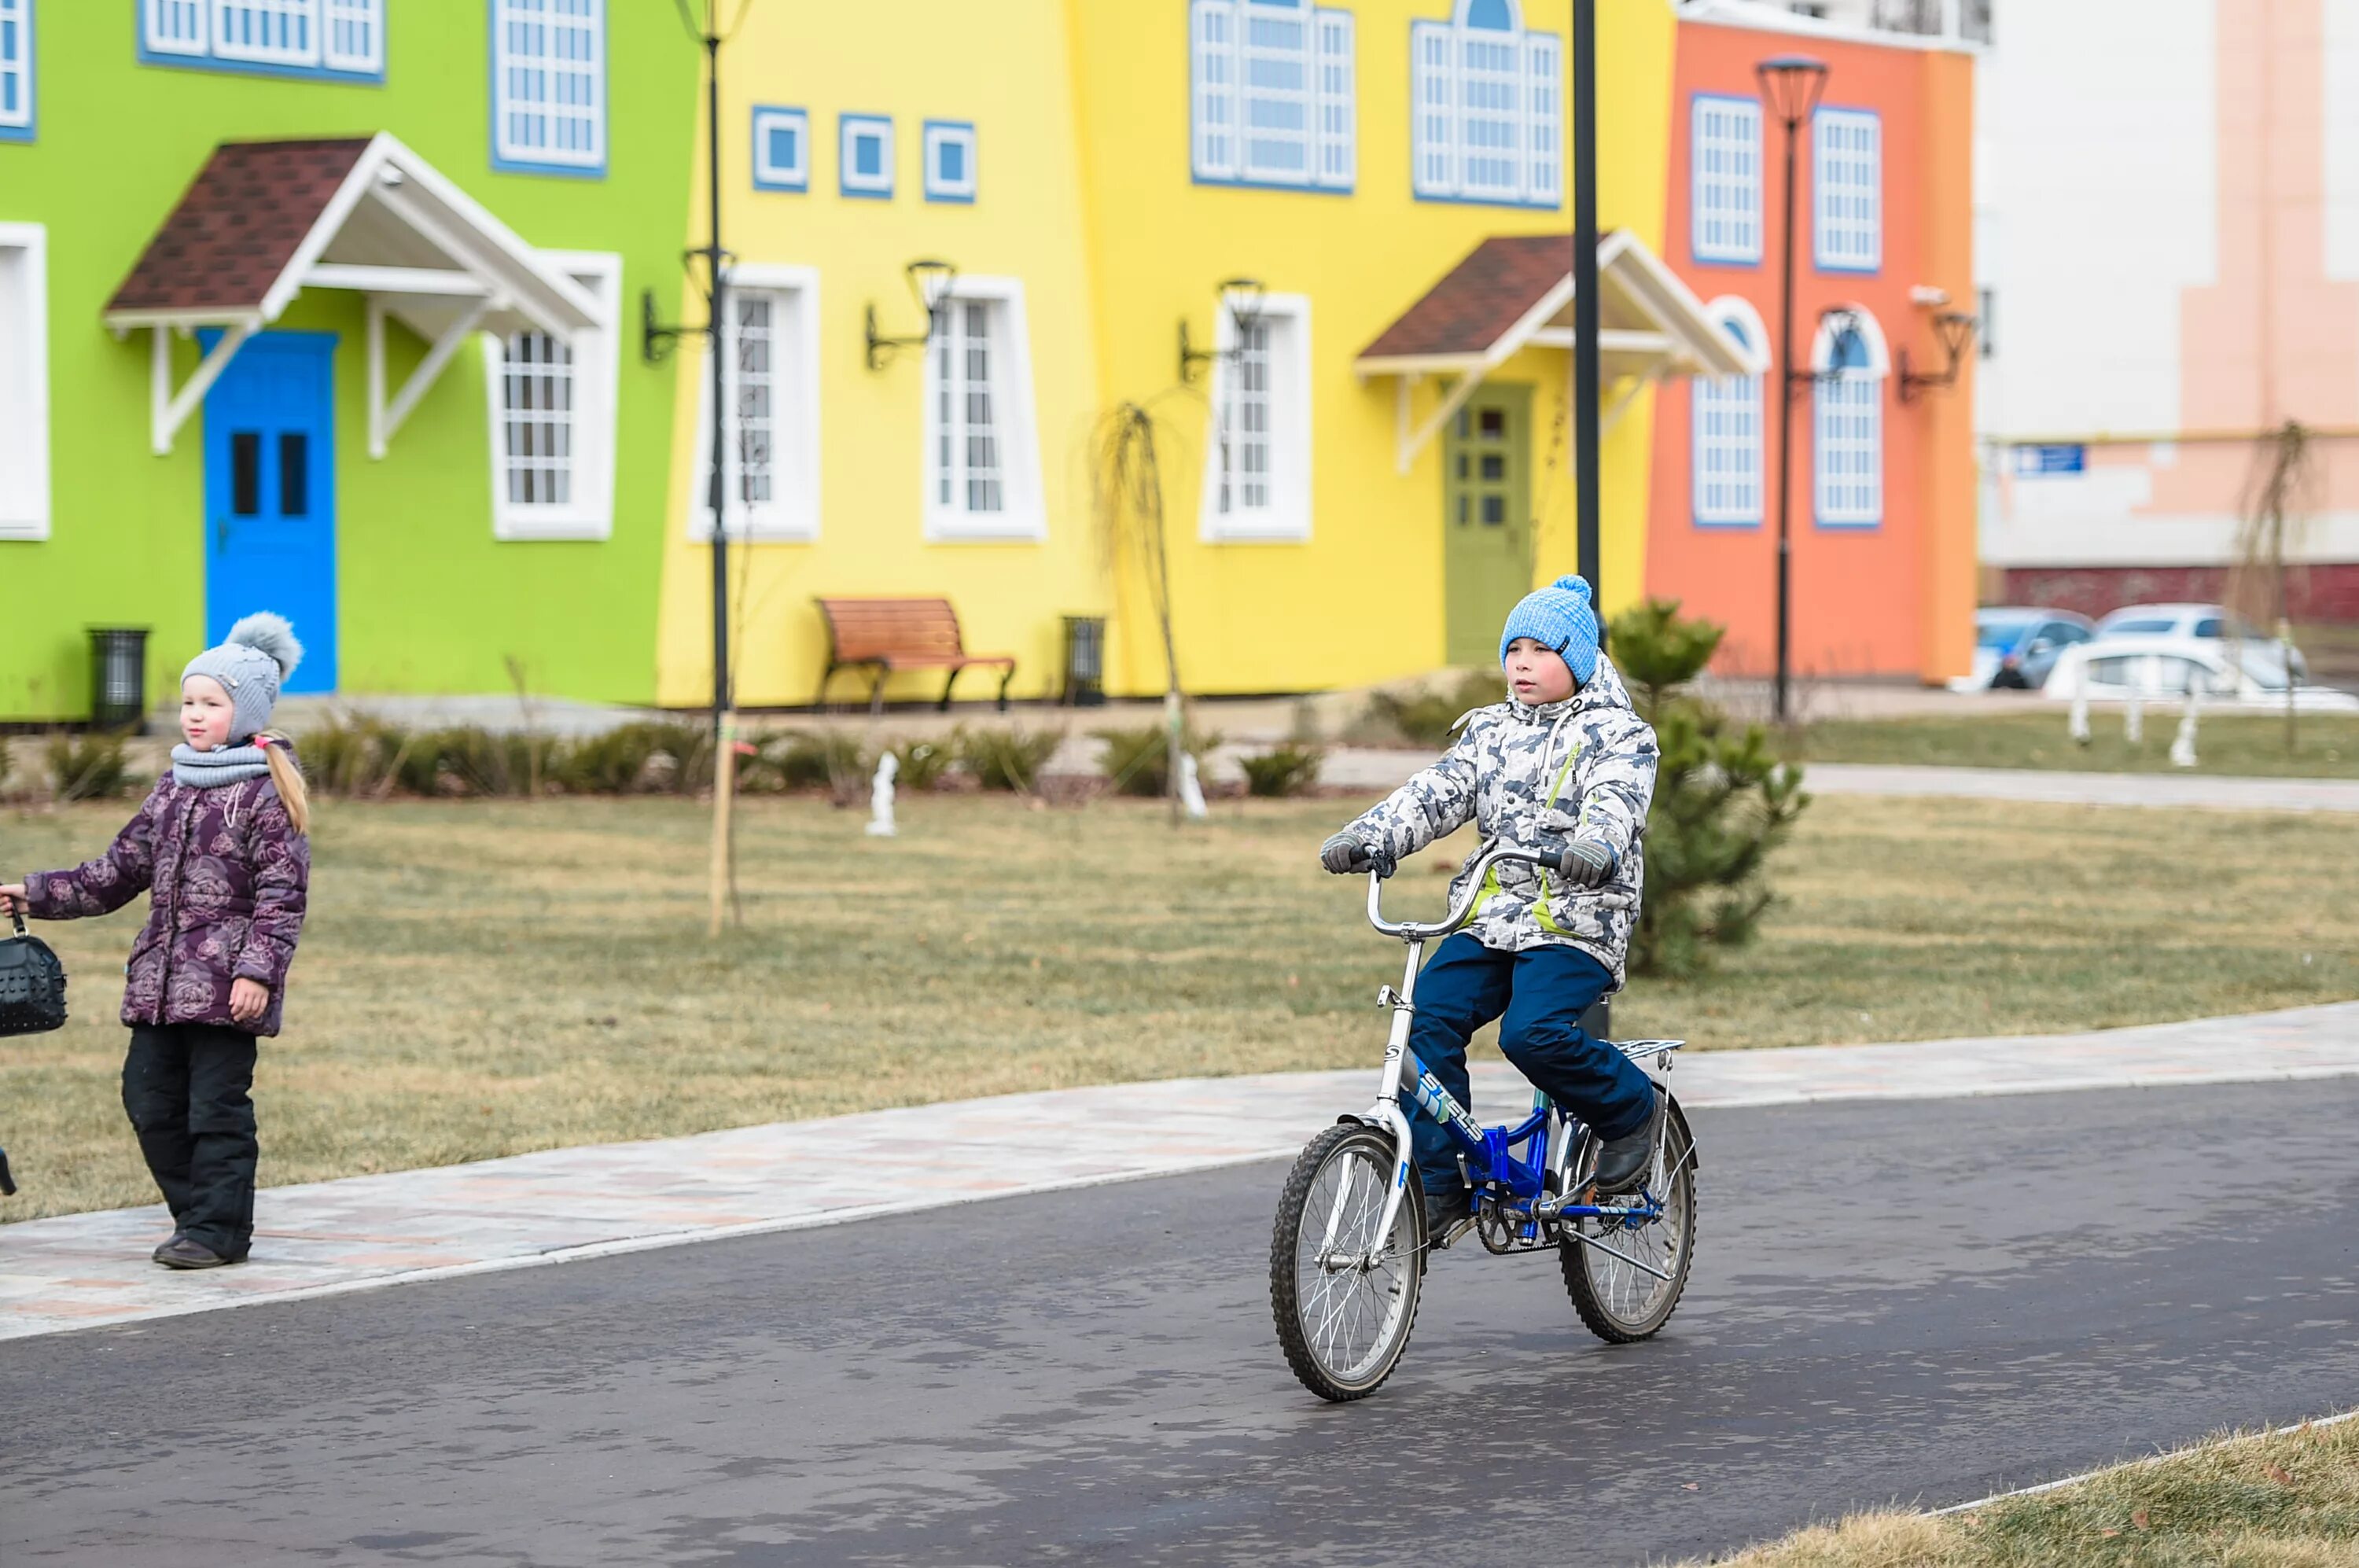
(1242, 296)
(931, 282)
(1791, 84)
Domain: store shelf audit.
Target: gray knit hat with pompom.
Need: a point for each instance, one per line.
(259, 652)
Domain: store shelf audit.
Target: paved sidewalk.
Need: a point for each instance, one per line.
(84, 1269)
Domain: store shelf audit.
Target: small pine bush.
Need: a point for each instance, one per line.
(1426, 719)
(86, 767)
(1007, 759)
(1284, 771)
(1138, 762)
(923, 763)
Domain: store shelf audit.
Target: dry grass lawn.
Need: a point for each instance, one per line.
(481, 979)
(2289, 1501)
(2326, 745)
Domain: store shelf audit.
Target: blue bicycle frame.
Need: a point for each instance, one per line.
(1519, 1184)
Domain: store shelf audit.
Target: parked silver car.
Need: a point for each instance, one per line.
(2205, 622)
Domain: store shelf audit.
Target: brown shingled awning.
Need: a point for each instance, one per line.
(263, 220)
(1515, 292)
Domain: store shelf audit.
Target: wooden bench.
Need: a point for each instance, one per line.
(890, 635)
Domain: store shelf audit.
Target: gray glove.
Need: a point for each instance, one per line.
(1588, 863)
(1345, 855)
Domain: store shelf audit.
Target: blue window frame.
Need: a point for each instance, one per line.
(1725, 437)
(549, 86)
(1725, 180)
(781, 148)
(950, 160)
(864, 155)
(1273, 95)
(16, 71)
(1847, 191)
(1847, 435)
(1486, 109)
(335, 40)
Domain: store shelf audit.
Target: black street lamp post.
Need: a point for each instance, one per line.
(1792, 85)
(1586, 499)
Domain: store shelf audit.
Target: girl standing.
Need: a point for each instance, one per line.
(221, 843)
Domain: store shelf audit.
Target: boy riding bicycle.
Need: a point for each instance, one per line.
(1564, 764)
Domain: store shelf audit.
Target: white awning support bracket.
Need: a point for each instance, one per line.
(168, 411)
(385, 418)
(1625, 392)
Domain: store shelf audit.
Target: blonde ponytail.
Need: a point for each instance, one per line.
(288, 779)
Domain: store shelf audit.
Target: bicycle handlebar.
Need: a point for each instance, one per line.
(1411, 931)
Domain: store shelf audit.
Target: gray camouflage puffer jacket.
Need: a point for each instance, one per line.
(1583, 767)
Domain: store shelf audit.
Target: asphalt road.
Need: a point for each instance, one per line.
(1922, 1302)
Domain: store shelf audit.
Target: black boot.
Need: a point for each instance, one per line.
(1624, 1162)
(181, 1253)
(1444, 1212)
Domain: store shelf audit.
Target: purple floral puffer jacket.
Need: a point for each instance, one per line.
(229, 873)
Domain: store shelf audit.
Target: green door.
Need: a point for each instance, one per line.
(1486, 496)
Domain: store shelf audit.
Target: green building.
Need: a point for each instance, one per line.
(319, 306)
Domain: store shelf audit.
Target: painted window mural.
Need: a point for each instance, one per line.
(552, 407)
(24, 382)
(1272, 94)
(549, 85)
(15, 70)
(304, 38)
(1257, 483)
(864, 155)
(1488, 117)
(781, 150)
(950, 160)
(770, 385)
(1847, 176)
(1727, 431)
(1724, 178)
(1847, 434)
(981, 451)
(966, 418)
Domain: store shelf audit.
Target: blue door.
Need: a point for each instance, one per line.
(270, 493)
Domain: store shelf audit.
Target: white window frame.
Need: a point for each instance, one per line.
(1225, 100)
(1738, 399)
(849, 182)
(334, 39)
(1022, 517)
(24, 381)
(772, 176)
(16, 68)
(1847, 191)
(936, 135)
(589, 511)
(521, 155)
(792, 514)
(1857, 393)
(1443, 86)
(1725, 180)
(1286, 520)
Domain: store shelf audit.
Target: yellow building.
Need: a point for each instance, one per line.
(1330, 211)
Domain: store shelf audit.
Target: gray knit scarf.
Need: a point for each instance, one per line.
(212, 769)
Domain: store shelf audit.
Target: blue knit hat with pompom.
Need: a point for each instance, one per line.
(1557, 617)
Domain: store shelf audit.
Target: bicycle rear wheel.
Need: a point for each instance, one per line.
(1343, 1296)
(1619, 1300)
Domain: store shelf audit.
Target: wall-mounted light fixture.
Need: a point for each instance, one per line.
(931, 281)
(1956, 330)
(1838, 321)
(1241, 296)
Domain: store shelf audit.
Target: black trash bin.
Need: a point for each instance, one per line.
(118, 678)
(1084, 661)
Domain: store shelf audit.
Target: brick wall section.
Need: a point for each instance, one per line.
(2328, 593)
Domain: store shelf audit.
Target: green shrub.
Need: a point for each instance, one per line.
(351, 757)
(1425, 718)
(791, 760)
(7, 760)
(86, 767)
(1289, 769)
(1723, 801)
(923, 763)
(1138, 762)
(652, 754)
(1007, 759)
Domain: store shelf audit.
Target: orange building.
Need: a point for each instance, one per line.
(1883, 489)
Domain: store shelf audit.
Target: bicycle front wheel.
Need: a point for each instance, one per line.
(1342, 1293)
(1627, 1280)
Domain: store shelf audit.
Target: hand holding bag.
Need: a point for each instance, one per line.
(32, 983)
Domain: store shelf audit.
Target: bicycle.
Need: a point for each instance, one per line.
(1349, 1251)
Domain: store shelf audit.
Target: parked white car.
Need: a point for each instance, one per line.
(2209, 623)
(2163, 669)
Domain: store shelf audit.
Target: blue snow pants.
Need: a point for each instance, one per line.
(1541, 993)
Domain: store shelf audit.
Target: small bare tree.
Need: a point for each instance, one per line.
(1126, 497)
(2271, 523)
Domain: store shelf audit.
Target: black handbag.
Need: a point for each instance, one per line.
(32, 983)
